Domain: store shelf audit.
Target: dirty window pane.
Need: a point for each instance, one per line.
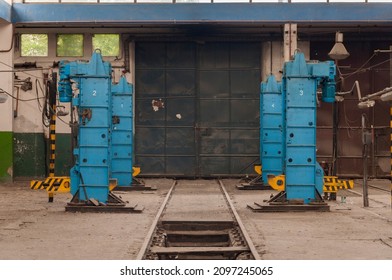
(34, 45)
(70, 45)
(109, 44)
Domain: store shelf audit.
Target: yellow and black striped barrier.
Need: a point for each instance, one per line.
(63, 184)
(331, 183)
(52, 185)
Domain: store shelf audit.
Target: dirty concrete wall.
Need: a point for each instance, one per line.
(30, 135)
(6, 84)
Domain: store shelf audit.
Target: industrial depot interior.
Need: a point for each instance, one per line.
(197, 129)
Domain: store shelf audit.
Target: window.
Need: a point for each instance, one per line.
(34, 45)
(109, 44)
(69, 45)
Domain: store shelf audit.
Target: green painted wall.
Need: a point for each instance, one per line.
(63, 154)
(31, 156)
(6, 156)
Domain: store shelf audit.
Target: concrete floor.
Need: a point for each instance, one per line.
(31, 228)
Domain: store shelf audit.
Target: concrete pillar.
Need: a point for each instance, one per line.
(131, 79)
(272, 57)
(6, 108)
(289, 40)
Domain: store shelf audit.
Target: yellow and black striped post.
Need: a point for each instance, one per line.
(52, 129)
(52, 141)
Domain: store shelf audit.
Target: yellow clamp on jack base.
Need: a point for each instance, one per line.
(258, 169)
(136, 171)
(112, 184)
(331, 183)
(277, 182)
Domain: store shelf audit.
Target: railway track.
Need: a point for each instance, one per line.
(197, 220)
(382, 189)
(372, 188)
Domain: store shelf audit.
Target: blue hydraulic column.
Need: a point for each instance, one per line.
(271, 128)
(271, 135)
(90, 175)
(122, 133)
(301, 79)
(104, 135)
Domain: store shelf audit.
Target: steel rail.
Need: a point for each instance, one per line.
(154, 224)
(372, 199)
(378, 188)
(247, 238)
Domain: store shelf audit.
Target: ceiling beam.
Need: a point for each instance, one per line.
(5, 11)
(199, 13)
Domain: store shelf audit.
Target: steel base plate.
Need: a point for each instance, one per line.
(285, 207)
(253, 186)
(137, 185)
(114, 204)
(71, 207)
(134, 187)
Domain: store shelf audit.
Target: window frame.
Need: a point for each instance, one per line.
(119, 43)
(68, 34)
(21, 45)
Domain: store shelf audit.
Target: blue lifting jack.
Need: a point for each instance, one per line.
(104, 148)
(288, 113)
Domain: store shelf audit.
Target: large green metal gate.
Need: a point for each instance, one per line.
(197, 108)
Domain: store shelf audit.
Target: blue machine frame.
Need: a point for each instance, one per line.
(105, 131)
(288, 127)
(271, 128)
(122, 133)
(304, 176)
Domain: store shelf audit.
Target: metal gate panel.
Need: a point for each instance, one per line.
(228, 107)
(205, 122)
(165, 108)
(214, 84)
(244, 112)
(214, 142)
(214, 55)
